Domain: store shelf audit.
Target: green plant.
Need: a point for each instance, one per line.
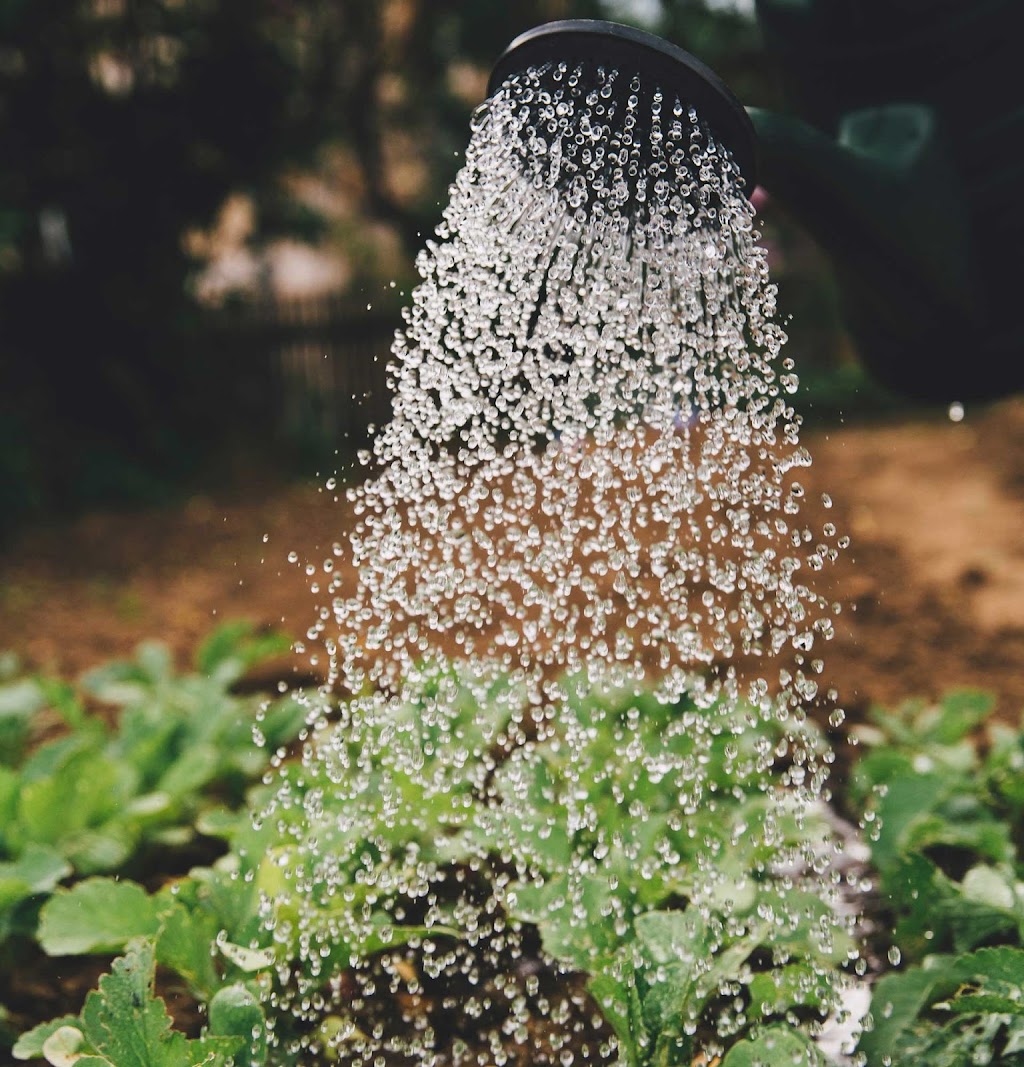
(691, 934)
(93, 799)
(123, 1022)
(670, 945)
(951, 1011)
(607, 850)
(940, 789)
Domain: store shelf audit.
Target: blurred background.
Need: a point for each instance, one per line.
(209, 212)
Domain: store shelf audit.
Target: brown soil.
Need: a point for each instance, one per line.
(933, 583)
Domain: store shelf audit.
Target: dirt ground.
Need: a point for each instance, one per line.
(932, 585)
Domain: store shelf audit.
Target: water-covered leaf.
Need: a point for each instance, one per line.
(777, 1046)
(246, 959)
(282, 720)
(619, 1002)
(236, 1012)
(776, 991)
(575, 920)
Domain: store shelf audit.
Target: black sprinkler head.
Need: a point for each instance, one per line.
(592, 44)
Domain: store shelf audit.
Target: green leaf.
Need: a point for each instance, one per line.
(905, 801)
(210, 1051)
(131, 683)
(963, 1041)
(897, 1001)
(88, 790)
(149, 737)
(877, 767)
(104, 849)
(21, 699)
(30, 1045)
(38, 870)
(988, 885)
(10, 788)
(65, 701)
(961, 823)
(620, 1005)
(1014, 1037)
(64, 1046)
(960, 712)
(235, 647)
(154, 660)
(191, 771)
(184, 944)
(982, 1003)
(974, 924)
(223, 822)
(10, 665)
(120, 684)
(19, 702)
(97, 915)
(777, 1046)
(123, 1020)
(236, 1012)
(1004, 965)
(932, 911)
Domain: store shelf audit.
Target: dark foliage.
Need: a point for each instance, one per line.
(124, 124)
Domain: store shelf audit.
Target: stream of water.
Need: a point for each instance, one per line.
(580, 546)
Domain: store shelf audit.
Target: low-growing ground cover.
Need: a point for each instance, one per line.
(129, 850)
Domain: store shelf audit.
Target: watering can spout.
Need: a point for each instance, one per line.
(884, 202)
(906, 164)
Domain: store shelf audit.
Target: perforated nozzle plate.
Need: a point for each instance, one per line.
(633, 51)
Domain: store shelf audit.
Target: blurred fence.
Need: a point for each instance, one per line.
(313, 369)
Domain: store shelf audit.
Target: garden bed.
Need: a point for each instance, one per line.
(933, 590)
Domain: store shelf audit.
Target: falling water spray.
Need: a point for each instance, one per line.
(587, 629)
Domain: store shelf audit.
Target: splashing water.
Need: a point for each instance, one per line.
(585, 630)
